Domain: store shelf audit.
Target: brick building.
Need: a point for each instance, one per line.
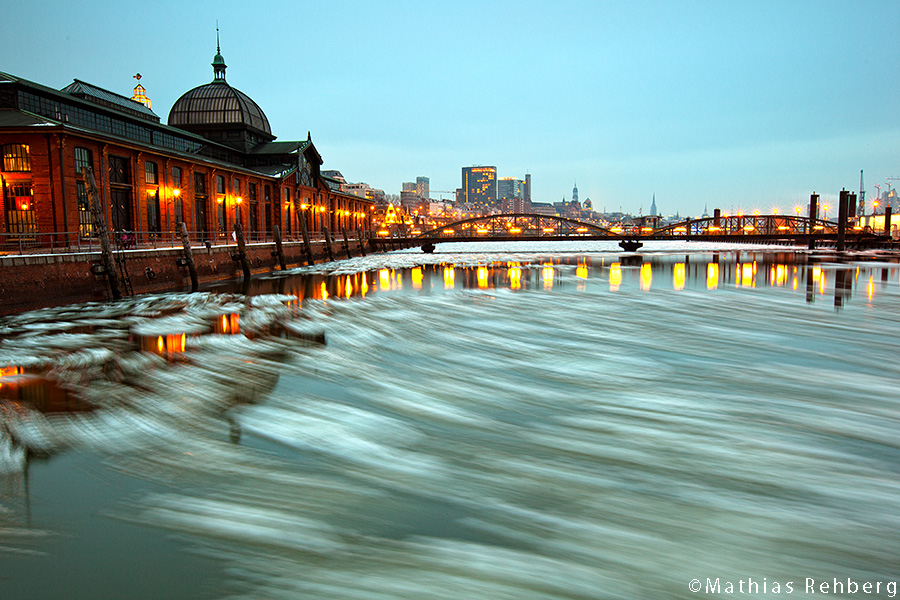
(214, 163)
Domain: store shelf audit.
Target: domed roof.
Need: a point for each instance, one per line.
(217, 105)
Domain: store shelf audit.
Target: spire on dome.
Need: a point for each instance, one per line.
(218, 63)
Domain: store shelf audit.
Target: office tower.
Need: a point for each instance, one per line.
(479, 185)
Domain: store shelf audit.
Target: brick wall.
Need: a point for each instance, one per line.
(36, 281)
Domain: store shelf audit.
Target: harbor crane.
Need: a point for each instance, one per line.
(862, 196)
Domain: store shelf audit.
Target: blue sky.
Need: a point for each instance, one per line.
(731, 104)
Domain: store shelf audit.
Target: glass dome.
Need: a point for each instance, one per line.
(217, 103)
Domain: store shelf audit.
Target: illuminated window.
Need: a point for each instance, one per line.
(151, 173)
(85, 219)
(16, 158)
(18, 196)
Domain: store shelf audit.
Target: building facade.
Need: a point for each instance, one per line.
(423, 187)
(215, 163)
(479, 186)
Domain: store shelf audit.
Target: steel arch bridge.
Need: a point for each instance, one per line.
(531, 227)
(516, 226)
(777, 226)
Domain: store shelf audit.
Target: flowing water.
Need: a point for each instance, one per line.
(528, 422)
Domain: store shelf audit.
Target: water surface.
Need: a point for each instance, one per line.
(550, 422)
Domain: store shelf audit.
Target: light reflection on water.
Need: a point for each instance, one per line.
(560, 427)
(646, 273)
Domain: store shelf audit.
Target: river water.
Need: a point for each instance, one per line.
(498, 422)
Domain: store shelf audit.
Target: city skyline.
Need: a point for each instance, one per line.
(734, 106)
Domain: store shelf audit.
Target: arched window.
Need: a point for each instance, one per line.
(16, 158)
(83, 158)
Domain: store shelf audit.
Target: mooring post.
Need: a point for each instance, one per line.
(362, 244)
(307, 248)
(813, 216)
(842, 219)
(189, 256)
(242, 249)
(346, 243)
(328, 248)
(109, 263)
(279, 249)
(887, 220)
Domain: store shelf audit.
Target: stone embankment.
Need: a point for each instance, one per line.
(39, 280)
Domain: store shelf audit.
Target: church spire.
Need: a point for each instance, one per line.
(218, 63)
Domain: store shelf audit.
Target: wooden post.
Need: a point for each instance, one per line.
(106, 254)
(813, 216)
(842, 219)
(279, 249)
(887, 220)
(242, 249)
(189, 257)
(346, 243)
(306, 245)
(362, 244)
(328, 247)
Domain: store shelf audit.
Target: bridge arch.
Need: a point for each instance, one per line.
(518, 225)
(731, 225)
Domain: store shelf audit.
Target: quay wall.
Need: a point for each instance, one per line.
(40, 280)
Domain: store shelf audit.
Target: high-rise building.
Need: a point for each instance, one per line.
(479, 185)
(509, 188)
(422, 187)
(527, 189)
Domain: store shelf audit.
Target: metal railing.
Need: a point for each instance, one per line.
(61, 242)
